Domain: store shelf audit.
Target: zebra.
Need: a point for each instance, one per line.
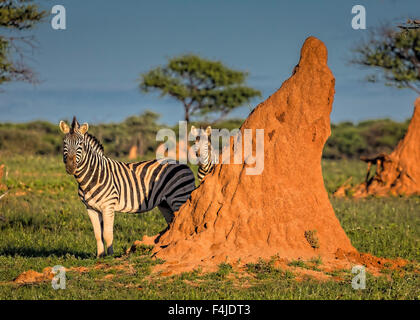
(204, 151)
(107, 185)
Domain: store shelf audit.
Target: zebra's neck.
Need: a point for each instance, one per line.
(207, 156)
(93, 161)
(207, 164)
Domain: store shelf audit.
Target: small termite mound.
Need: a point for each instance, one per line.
(397, 173)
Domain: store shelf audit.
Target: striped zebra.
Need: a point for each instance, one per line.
(107, 185)
(204, 151)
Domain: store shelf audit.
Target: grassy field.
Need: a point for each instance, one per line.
(44, 224)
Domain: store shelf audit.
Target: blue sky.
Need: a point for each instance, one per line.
(90, 69)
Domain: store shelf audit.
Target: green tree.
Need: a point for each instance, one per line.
(17, 15)
(394, 52)
(202, 86)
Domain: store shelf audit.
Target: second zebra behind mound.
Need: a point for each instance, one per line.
(107, 185)
(203, 151)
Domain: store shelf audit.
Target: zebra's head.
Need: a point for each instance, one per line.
(73, 144)
(202, 144)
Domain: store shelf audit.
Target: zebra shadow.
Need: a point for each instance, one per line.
(43, 253)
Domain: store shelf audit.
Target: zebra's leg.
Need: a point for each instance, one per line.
(167, 212)
(96, 220)
(108, 216)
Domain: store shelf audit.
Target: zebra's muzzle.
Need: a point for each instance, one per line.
(71, 165)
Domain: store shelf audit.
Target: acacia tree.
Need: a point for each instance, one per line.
(202, 86)
(395, 52)
(17, 15)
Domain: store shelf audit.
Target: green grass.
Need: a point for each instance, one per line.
(46, 224)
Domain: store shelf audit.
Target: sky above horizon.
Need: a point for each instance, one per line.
(91, 69)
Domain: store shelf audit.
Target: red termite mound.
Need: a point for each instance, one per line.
(285, 210)
(397, 173)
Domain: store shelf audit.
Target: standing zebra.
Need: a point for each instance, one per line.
(107, 185)
(204, 151)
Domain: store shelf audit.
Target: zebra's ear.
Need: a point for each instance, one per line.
(64, 127)
(194, 131)
(84, 128)
(208, 130)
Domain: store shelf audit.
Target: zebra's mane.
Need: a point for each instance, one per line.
(94, 143)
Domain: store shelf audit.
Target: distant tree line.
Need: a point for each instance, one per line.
(348, 140)
(367, 138)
